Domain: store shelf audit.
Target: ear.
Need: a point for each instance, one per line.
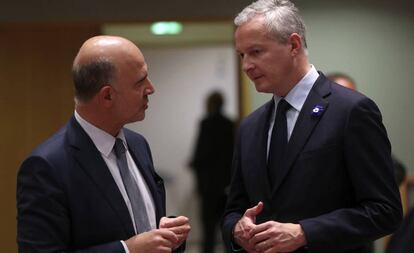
(105, 95)
(296, 43)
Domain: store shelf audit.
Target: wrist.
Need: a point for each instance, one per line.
(128, 245)
(300, 236)
(235, 246)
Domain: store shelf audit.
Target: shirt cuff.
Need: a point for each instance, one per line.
(235, 247)
(125, 247)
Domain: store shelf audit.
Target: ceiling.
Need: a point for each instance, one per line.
(120, 10)
(192, 33)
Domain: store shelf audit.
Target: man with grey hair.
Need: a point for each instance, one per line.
(92, 186)
(312, 170)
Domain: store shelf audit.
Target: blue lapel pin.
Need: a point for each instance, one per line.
(317, 110)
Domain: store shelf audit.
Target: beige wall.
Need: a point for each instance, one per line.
(35, 100)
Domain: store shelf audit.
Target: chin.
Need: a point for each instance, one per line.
(263, 89)
(137, 118)
(141, 117)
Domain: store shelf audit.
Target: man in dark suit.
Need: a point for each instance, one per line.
(399, 170)
(211, 162)
(92, 186)
(312, 170)
(346, 81)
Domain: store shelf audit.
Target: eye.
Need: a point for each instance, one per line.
(241, 55)
(141, 81)
(256, 51)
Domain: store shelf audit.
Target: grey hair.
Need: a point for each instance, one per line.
(281, 18)
(89, 78)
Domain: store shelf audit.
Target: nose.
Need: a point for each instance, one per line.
(246, 64)
(150, 89)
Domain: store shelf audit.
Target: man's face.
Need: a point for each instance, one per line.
(132, 87)
(266, 61)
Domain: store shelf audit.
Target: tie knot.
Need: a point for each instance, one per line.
(283, 106)
(119, 147)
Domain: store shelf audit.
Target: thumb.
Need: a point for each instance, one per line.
(163, 220)
(254, 211)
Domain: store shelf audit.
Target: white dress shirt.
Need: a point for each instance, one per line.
(296, 98)
(105, 142)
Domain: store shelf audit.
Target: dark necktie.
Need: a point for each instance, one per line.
(134, 194)
(278, 141)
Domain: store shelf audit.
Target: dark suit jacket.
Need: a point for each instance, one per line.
(68, 201)
(337, 178)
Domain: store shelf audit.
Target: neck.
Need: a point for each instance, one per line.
(298, 72)
(98, 118)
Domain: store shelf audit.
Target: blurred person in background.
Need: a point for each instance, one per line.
(211, 163)
(342, 79)
(402, 241)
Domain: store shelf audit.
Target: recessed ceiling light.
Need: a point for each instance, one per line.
(166, 28)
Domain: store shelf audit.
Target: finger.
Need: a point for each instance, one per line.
(165, 249)
(254, 211)
(264, 246)
(262, 234)
(173, 222)
(180, 229)
(260, 237)
(163, 220)
(181, 237)
(260, 228)
(271, 250)
(159, 241)
(169, 235)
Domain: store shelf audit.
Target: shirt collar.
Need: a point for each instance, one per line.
(103, 141)
(298, 94)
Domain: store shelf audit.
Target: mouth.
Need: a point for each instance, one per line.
(255, 78)
(146, 103)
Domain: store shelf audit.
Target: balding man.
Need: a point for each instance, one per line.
(92, 186)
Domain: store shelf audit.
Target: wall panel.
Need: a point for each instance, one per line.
(35, 100)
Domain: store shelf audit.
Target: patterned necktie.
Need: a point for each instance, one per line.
(278, 141)
(134, 194)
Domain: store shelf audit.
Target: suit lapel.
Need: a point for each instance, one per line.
(304, 126)
(90, 160)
